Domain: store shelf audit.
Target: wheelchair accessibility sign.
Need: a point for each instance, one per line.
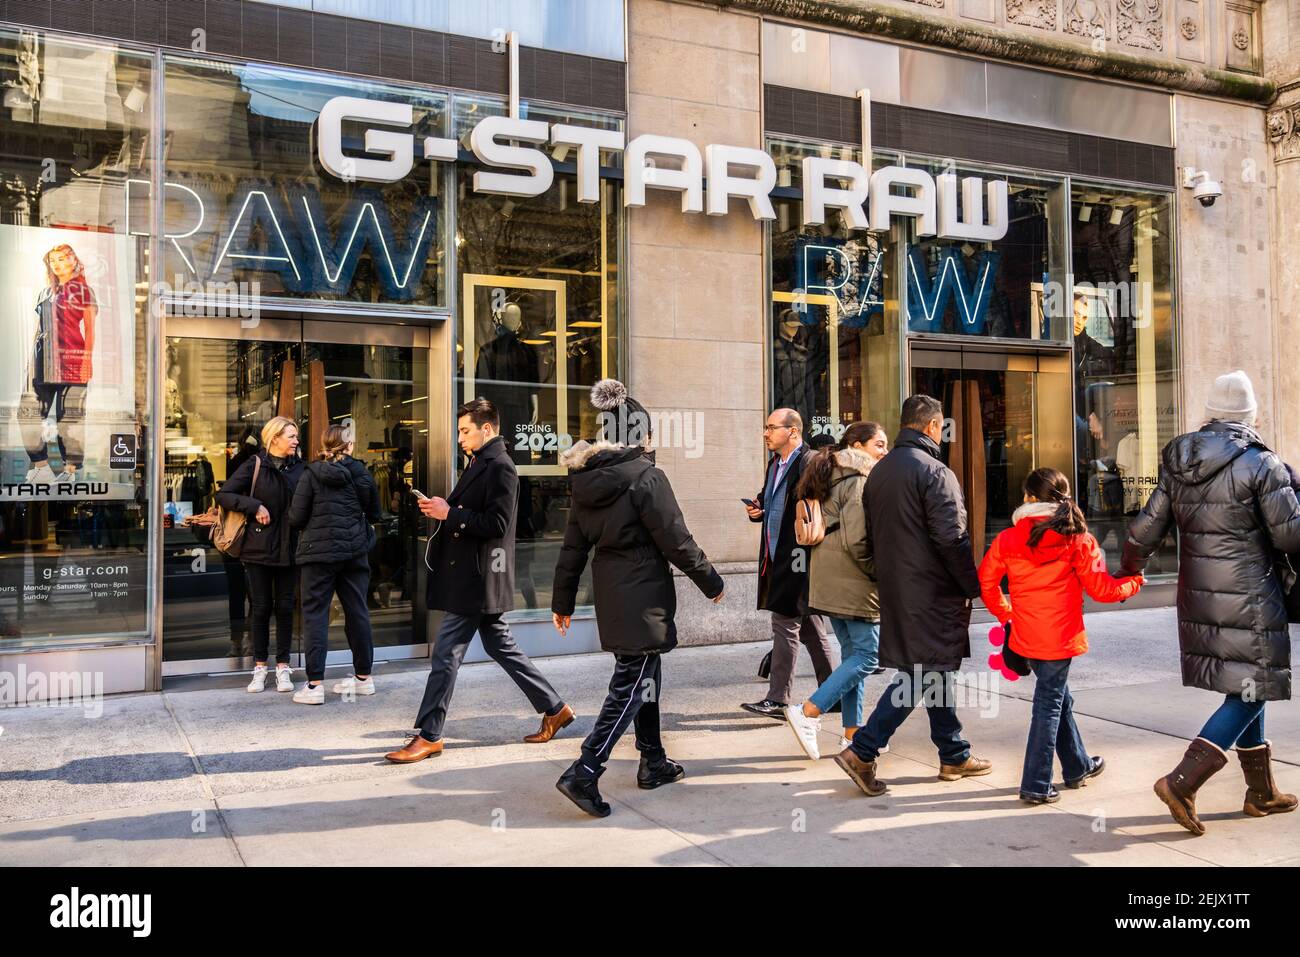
(121, 451)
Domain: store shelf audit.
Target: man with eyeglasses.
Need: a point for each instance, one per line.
(783, 567)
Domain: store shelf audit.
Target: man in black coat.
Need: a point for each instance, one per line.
(624, 509)
(916, 532)
(783, 567)
(472, 580)
(1233, 503)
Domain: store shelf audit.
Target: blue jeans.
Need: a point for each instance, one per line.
(905, 692)
(859, 644)
(1236, 722)
(1052, 730)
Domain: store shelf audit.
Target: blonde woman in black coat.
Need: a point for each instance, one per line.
(624, 512)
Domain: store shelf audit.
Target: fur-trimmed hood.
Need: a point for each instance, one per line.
(854, 460)
(582, 452)
(601, 471)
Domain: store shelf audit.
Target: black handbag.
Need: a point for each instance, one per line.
(1013, 660)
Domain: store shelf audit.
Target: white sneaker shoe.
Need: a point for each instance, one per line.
(259, 679)
(284, 679)
(42, 474)
(351, 685)
(805, 729)
(308, 694)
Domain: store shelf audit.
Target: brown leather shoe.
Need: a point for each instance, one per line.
(551, 725)
(1262, 796)
(970, 768)
(862, 772)
(417, 749)
(1178, 788)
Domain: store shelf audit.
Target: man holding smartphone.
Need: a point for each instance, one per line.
(472, 580)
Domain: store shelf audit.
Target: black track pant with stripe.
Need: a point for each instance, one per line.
(633, 699)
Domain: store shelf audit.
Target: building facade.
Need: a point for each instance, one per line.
(206, 223)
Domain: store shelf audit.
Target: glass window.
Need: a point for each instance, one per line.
(538, 326)
(248, 201)
(1126, 373)
(73, 281)
(991, 289)
(834, 309)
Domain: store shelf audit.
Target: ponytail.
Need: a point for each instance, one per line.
(1049, 485)
(815, 480)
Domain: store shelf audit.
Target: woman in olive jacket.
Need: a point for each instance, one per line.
(840, 578)
(268, 544)
(625, 512)
(1231, 499)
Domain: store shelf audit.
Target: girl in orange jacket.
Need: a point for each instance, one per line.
(1049, 559)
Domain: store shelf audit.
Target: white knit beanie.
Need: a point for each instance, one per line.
(1232, 399)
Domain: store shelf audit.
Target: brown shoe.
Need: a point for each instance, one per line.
(417, 749)
(1178, 788)
(1262, 796)
(551, 725)
(862, 772)
(970, 768)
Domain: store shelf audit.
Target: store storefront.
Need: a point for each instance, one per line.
(1020, 255)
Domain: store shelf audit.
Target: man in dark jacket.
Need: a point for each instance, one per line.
(916, 532)
(783, 567)
(624, 509)
(472, 580)
(1235, 509)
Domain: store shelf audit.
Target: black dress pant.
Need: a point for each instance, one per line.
(633, 699)
(271, 592)
(319, 582)
(454, 635)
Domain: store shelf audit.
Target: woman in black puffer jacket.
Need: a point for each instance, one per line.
(267, 550)
(334, 504)
(625, 512)
(1232, 502)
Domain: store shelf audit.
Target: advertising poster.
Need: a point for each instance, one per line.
(67, 374)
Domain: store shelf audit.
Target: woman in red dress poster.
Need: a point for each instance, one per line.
(61, 367)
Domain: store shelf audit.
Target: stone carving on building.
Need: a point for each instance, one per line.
(929, 3)
(1032, 13)
(1189, 28)
(1141, 23)
(1284, 132)
(1240, 38)
(1086, 18)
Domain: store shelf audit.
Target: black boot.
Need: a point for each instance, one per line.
(583, 792)
(656, 771)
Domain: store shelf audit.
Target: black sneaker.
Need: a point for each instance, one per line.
(651, 774)
(582, 792)
(767, 708)
(1051, 797)
(1098, 765)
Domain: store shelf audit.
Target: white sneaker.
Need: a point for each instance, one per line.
(284, 679)
(805, 729)
(42, 474)
(310, 695)
(351, 686)
(259, 679)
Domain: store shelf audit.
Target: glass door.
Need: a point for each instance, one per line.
(223, 382)
(1005, 414)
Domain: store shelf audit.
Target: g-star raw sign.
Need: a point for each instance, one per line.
(706, 183)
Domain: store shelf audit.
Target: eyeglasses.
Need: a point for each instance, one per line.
(773, 428)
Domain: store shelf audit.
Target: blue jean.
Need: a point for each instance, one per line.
(859, 645)
(1236, 722)
(1052, 730)
(905, 692)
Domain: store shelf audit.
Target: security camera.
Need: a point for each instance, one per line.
(1204, 189)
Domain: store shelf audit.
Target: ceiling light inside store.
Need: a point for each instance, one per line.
(135, 100)
(1085, 213)
(1116, 215)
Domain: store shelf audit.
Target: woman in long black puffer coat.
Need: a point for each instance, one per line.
(1231, 499)
(625, 511)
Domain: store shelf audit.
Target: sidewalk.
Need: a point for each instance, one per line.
(205, 774)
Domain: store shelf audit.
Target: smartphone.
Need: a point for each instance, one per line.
(418, 494)
(750, 502)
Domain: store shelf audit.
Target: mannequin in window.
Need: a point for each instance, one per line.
(792, 365)
(508, 372)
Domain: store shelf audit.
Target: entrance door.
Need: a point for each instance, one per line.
(1006, 414)
(223, 383)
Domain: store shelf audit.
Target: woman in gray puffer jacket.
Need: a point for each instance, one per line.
(1231, 499)
(840, 582)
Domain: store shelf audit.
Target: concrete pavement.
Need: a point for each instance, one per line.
(206, 774)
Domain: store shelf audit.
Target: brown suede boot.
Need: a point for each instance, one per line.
(1178, 788)
(862, 772)
(1262, 796)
